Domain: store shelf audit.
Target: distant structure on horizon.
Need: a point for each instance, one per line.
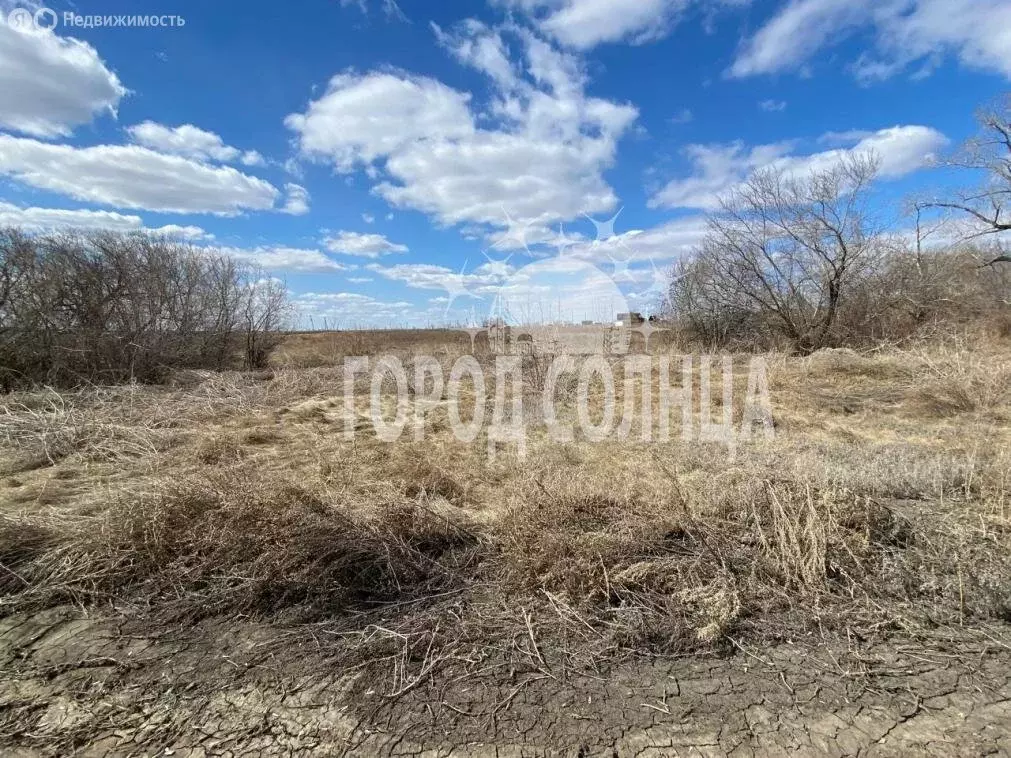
(588, 338)
(630, 319)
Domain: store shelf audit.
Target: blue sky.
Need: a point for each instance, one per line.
(400, 163)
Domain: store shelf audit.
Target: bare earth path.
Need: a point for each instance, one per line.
(81, 686)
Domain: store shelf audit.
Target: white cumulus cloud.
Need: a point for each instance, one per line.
(541, 163)
(130, 176)
(190, 141)
(50, 84)
(429, 276)
(362, 117)
(584, 24)
(281, 258)
(906, 32)
(35, 218)
(297, 201)
(717, 169)
(363, 245)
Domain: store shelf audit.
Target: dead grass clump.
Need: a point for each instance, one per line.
(261, 435)
(31, 460)
(942, 399)
(639, 572)
(42, 428)
(296, 385)
(21, 542)
(672, 575)
(902, 471)
(845, 362)
(946, 397)
(961, 382)
(425, 479)
(992, 481)
(218, 449)
(446, 470)
(955, 572)
(237, 544)
(816, 540)
(679, 619)
(568, 542)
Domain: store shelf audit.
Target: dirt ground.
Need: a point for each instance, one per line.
(94, 688)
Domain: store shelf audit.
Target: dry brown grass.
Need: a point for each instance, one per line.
(329, 348)
(963, 383)
(882, 505)
(235, 543)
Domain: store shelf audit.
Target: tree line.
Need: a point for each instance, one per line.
(107, 307)
(801, 262)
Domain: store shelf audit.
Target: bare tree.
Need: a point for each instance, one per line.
(780, 255)
(265, 313)
(988, 205)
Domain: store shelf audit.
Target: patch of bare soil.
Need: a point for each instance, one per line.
(74, 685)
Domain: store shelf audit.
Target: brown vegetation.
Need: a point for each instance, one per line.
(804, 262)
(880, 514)
(847, 520)
(108, 308)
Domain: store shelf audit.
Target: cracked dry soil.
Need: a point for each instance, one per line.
(84, 686)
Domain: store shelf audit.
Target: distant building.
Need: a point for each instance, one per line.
(499, 337)
(559, 339)
(630, 319)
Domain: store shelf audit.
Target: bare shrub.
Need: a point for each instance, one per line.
(797, 262)
(107, 307)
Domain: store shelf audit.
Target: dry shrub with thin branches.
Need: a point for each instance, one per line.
(108, 307)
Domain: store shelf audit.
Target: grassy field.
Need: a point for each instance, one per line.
(230, 510)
